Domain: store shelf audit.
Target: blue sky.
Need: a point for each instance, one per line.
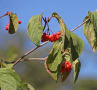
(72, 11)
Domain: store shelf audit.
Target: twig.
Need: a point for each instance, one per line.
(80, 24)
(29, 53)
(36, 59)
(46, 21)
(5, 14)
(2, 16)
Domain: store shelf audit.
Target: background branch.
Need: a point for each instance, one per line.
(35, 59)
(29, 53)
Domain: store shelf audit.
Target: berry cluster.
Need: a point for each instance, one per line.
(7, 26)
(52, 38)
(66, 67)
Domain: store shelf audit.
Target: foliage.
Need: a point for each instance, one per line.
(90, 29)
(64, 54)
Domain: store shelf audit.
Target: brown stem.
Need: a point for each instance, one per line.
(80, 24)
(46, 22)
(35, 59)
(3, 15)
(29, 53)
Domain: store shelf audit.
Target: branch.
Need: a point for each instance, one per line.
(80, 24)
(4, 14)
(32, 50)
(35, 59)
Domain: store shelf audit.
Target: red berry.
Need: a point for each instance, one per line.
(58, 33)
(57, 37)
(6, 27)
(66, 67)
(45, 37)
(51, 38)
(54, 37)
(19, 22)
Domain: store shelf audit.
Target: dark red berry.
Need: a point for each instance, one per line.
(6, 27)
(45, 37)
(19, 22)
(51, 38)
(66, 67)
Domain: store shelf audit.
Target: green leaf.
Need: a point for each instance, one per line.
(53, 63)
(13, 23)
(76, 66)
(54, 60)
(28, 86)
(35, 29)
(9, 79)
(4, 65)
(90, 29)
(77, 46)
(55, 74)
(67, 39)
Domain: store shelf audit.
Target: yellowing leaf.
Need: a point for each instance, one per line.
(90, 29)
(13, 23)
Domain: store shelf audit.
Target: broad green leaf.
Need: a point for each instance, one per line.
(76, 66)
(53, 74)
(9, 79)
(13, 23)
(28, 86)
(77, 45)
(35, 29)
(67, 39)
(53, 64)
(90, 29)
(54, 60)
(74, 43)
